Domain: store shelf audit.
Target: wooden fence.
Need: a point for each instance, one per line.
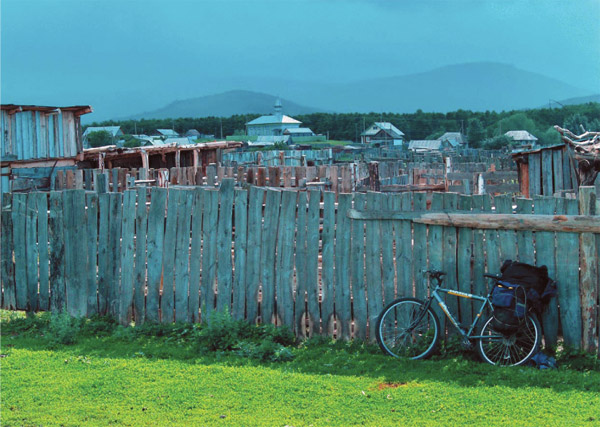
(283, 256)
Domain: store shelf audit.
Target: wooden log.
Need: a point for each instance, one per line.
(588, 265)
(556, 223)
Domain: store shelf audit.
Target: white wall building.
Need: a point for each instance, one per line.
(272, 125)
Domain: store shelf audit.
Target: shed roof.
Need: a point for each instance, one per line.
(167, 132)
(113, 130)
(273, 119)
(425, 144)
(192, 132)
(520, 135)
(77, 109)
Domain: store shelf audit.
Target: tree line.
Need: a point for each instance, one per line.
(481, 128)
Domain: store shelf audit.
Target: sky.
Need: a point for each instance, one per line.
(128, 56)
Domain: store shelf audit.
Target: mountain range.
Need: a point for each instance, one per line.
(477, 86)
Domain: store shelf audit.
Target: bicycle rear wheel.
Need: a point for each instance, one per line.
(510, 349)
(406, 329)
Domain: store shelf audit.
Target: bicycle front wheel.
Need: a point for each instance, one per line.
(406, 329)
(512, 349)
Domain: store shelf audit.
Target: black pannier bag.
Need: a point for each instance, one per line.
(522, 287)
(510, 306)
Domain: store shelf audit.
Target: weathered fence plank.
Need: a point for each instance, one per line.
(373, 266)
(342, 267)
(114, 252)
(588, 279)
(209, 253)
(19, 217)
(300, 310)
(127, 253)
(327, 253)
(141, 233)
(357, 271)
(463, 263)
(267, 259)
(256, 196)
(312, 261)
(567, 280)
(285, 258)
(545, 247)
(238, 308)
(91, 228)
(155, 242)
(31, 253)
(6, 255)
(196, 257)
(167, 301)
(224, 239)
(57, 251)
(41, 200)
(182, 256)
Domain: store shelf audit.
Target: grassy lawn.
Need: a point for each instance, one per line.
(118, 378)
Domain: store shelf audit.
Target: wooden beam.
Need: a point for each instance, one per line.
(566, 223)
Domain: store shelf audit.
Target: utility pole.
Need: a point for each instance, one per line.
(221, 128)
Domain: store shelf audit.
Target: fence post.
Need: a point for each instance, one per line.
(588, 264)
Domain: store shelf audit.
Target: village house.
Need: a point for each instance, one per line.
(522, 138)
(114, 131)
(382, 133)
(36, 142)
(455, 139)
(272, 125)
(428, 145)
(167, 133)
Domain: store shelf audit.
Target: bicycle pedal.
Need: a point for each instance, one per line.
(467, 344)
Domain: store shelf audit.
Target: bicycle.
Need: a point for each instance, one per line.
(408, 327)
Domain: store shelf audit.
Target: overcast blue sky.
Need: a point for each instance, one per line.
(130, 56)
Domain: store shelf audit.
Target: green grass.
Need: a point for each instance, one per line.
(122, 378)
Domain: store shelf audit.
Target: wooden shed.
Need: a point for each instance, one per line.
(36, 141)
(545, 170)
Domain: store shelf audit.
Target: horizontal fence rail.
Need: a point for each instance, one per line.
(287, 257)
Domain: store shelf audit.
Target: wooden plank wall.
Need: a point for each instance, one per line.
(281, 256)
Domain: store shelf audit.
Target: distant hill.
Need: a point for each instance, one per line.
(474, 86)
(225, 105)
(581, 100)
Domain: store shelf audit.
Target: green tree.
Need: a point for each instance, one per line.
(498, 142)
(475, 133)
(99, 139)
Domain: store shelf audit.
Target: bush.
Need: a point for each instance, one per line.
(62, 329)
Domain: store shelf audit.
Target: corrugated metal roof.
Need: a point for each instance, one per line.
(167, 132)
(385, 126)
(78, 109)
(113, 130)
(299, 130)
(425, 144)
(520, 135)
(273, 119)
(454, 138)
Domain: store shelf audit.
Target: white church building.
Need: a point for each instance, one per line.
(272, 125)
